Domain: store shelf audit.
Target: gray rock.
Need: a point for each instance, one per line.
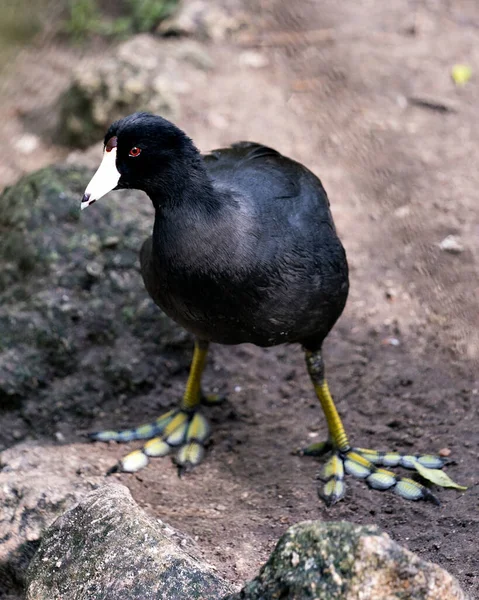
(203, 19)
(107, 548)
(75, 318)
(77, 330)
(127, 80)
(37, 484)
(343, 561)
(452, 244)
(144, 73)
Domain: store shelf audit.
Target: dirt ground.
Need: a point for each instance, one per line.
(362, 94)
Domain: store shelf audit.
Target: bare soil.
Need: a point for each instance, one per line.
(343, 90)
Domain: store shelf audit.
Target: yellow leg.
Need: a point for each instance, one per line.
(192, 395)
(337, 433)
(363, 463)
(335, 425)
(184, 428)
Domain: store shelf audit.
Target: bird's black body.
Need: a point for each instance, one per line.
(244, 247)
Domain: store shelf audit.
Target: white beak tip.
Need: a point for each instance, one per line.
(86, 201)
(104, 180)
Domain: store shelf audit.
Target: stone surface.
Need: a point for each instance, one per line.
(75, 318)
(142, 74)
(204, 20)
(78, 331)
(107, 548)
(343, 561)
(37, 484)
(452, 244)
(125, 81)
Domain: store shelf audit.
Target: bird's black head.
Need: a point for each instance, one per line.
(144, 152)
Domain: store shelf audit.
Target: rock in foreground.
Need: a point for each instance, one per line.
(107, 548)
(343, 561)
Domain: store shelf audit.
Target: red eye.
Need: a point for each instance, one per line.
(135, 151)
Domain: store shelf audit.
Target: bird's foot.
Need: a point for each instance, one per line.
(369, 465)
(180, 430)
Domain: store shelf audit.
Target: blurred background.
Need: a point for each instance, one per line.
(376, 77)
(381, 101)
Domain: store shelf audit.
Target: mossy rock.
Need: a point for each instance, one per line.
(343, 561)
(127, 80)
(107, 548)
(73, 308)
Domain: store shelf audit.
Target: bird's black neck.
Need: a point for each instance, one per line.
(184, 185)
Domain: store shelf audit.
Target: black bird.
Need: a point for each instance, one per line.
(243, 249)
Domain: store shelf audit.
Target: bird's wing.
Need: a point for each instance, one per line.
(254, 169)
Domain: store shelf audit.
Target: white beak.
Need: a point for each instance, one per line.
(105, 179)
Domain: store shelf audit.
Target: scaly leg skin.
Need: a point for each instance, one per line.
(183, 429)
(360, 462)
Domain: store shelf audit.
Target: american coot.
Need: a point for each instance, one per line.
(244, 249)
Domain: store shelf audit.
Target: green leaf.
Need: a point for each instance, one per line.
(438, 477)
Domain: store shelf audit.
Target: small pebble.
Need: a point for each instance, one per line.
(94, 269)
(111, 241)
(218, 121)
(391, 341)
(59, 436)
(451, 244)
(27, 143)
(445, 452)
(253, 59)
(391, 294)
(402, 211)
